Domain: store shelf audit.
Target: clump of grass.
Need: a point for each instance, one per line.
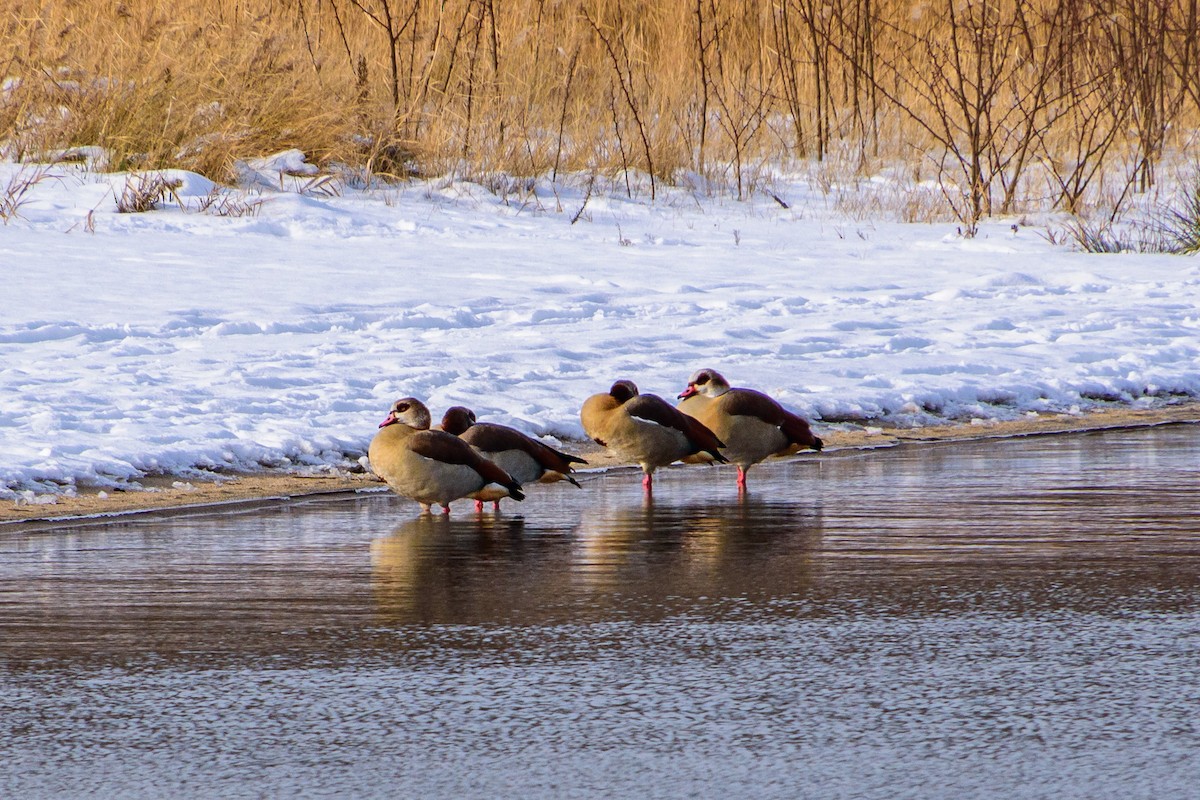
(324, 185)
(1100, 237)
(1180, 226)
(144, 192)
(221, 204)
(163, 86)
(1112, 236)
(16, 192)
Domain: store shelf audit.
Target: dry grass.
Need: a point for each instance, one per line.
(1007, 104)
(15, 192)
(144, 191)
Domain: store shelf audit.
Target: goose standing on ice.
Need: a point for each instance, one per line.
(521, 456)
(431, 466)
(645, 429)
(752, 425)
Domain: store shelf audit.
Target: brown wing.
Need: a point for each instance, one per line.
(799, 432)
(567, 457)
(450, 449)
(492, 438)
(751, 403)
(443, 447)
(703, 438)
(550, 458)
(653, 408)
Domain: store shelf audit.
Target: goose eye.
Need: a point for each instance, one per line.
(701, 380)
(402, 407)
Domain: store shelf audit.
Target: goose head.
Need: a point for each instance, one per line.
(457, 419)
(707, 382)
(408, 411)
(623, 391)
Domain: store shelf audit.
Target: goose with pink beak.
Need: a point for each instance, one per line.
(752, 425)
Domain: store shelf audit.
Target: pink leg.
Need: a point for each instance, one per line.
(741, 479)
(648, 483)
(478, 506)
(495, 505)
(446, 510)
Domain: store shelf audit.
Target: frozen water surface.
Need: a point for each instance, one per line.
(1008, 619)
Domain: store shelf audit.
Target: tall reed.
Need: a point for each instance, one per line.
(1005, 103)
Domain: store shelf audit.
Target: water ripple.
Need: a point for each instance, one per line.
(1001, 619)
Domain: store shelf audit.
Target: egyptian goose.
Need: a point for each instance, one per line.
(521, 456)
(645, 429)
(431, 466)
(752, 425)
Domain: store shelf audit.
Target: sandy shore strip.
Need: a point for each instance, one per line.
(167, 493)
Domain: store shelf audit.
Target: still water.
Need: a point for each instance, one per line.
(1006, 619)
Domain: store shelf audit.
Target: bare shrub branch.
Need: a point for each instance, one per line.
(624, 72)
(144, 192)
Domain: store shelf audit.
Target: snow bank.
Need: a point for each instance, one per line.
(177, 340)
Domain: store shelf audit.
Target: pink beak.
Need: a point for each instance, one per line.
(391, 419)
(689, 391)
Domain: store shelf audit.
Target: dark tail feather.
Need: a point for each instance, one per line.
(704, 439)
(555, 460)
(572, 480)
(570, 459)
(494, 474)
(798, 431)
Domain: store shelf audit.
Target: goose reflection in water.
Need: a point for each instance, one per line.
(721, 548)
(638, 558)
(465, 571)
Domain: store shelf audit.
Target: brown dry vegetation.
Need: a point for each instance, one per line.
(1006, 103)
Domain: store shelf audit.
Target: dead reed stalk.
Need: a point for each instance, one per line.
(1006, 100)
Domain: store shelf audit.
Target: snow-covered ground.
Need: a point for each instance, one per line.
(173, 340)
